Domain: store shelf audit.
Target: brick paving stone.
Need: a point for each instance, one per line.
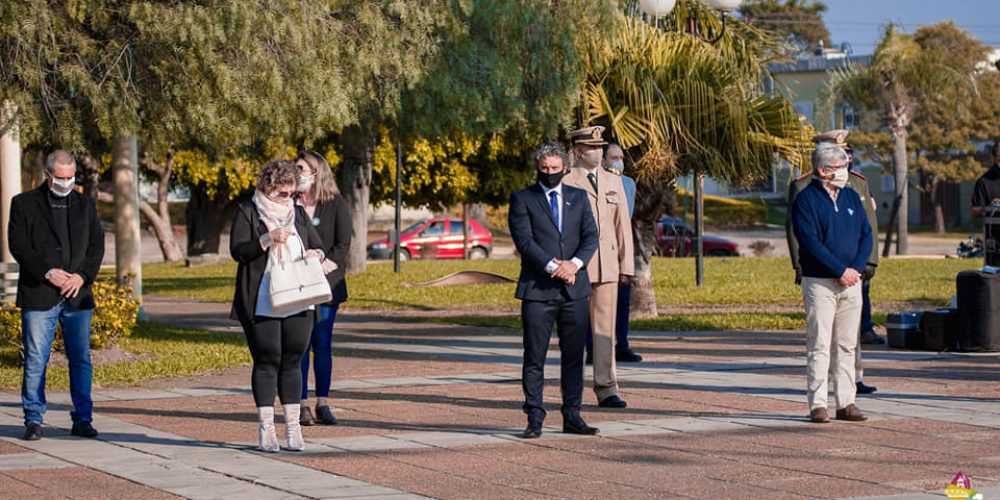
(11, 448)
(83, 483)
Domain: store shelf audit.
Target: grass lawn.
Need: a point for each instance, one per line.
(728, 281)
(171, 352)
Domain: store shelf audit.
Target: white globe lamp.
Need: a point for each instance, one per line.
(724, 5)
(657, 8)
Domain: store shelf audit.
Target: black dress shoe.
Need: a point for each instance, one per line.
(578, 426)
(533, 430)
(627, 356)
(862, 388)
(869, 337)
(612, 402)
(325, 416)
(84, 430)
(32, 432)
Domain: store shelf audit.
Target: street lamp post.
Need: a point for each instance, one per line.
(659, 8)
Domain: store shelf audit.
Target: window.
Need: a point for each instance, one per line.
(435, 229)
(456, 227)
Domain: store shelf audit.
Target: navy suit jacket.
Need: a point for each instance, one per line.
(538, 240)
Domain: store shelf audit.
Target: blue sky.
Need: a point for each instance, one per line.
(858, 22)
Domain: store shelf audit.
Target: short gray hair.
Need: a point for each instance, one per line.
(828, 153)
(550, 149)
(60, 157)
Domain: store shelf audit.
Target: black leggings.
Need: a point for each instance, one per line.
(276, 346)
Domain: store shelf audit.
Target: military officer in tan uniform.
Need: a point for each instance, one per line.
(614, 260)
(858, 183)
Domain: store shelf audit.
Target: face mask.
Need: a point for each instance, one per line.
(592, 159)
(839, 179)
(550, 180)
(61, 188)
(305, 182)
(616, 167)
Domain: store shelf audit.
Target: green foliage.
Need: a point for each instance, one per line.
(800, 22)
(683, 105)
(113, 319)
(728, 211)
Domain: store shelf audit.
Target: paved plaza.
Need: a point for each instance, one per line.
(433, 411)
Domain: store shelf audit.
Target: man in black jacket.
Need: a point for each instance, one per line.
(554, 232)
(56, 238)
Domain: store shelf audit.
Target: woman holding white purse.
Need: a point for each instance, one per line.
(269, 231)
(330, 215)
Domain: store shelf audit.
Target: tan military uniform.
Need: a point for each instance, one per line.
(613, 259)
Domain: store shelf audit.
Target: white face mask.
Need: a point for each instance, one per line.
(839, 179)
(616, 167)
(305, 182)
(61, 188)
(592, 159)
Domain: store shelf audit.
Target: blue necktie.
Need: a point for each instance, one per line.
(554, 203)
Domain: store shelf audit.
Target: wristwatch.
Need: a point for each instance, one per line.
(48, 274)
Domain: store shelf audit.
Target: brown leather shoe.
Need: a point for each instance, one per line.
(851, 413)
(819, 416)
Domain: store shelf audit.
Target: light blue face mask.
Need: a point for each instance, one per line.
(616, 167)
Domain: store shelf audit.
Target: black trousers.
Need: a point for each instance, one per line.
(276, 346)
(573, 320)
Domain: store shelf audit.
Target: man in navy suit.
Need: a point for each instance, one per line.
(555, 234)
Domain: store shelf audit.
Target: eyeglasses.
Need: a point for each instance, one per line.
(281, 195)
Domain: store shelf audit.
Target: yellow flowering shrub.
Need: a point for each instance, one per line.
(114, 318)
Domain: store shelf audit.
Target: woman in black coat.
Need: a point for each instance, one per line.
(271, 225)
(329, 214)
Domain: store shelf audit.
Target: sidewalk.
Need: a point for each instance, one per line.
(434, 411)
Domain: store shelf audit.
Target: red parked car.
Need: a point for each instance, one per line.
(674, 238)
(436, 239)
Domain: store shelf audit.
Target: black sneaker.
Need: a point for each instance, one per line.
(627, 356)
(84, 430)
(32, 431)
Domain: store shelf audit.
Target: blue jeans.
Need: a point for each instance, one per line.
(321, 346)
(38, 327)
(866, 307)
(621, 321)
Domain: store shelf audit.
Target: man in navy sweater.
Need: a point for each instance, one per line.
(834, 242)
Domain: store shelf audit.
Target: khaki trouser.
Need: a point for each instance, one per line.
(603, 313)
(833, 320)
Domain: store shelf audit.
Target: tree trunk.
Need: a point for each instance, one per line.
(128, 238)
(355, 182)
(477, 211)
(900, 169)
(650, 200)
(206, 219)
(160, 218)
(935, 196)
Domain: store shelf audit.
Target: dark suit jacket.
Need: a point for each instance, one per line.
(244, 247)
(36, 248)
(538, 240)
(332, 221)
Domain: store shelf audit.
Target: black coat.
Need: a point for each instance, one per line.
(244, 247)
(538, 240)
(36, 248)
(332, 221)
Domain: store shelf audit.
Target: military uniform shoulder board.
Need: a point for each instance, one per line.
(859, 175)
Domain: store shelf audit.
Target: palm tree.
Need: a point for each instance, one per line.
(678, 105)
(902, 76)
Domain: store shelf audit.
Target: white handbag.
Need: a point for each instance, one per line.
(296, 284)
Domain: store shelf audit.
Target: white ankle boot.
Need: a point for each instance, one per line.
(268, 436)
(293, 429)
